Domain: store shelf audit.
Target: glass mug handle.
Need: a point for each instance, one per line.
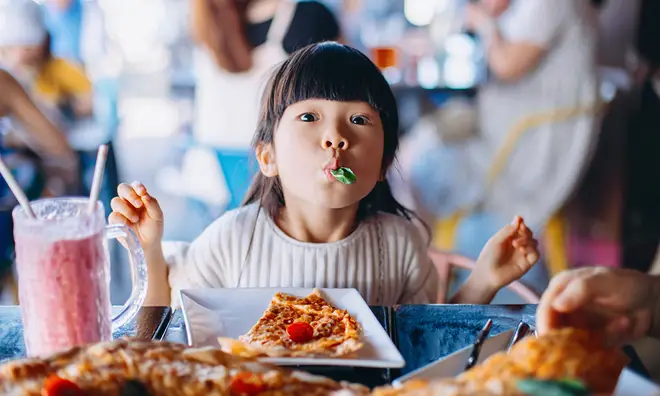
(138, 271)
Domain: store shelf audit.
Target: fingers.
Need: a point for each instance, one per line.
(125, 209)
(127, 193)
(588, 286)
(117, 218)
(135, 196)
(153, 207)
(532, 257)
(618, 331)
(591, 297)
(517, 229)
(546, 316)
(525, 242)
(506, 233)
(139, 188)
(525, 232)
(573, 294)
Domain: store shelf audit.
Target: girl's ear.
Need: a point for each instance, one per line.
(266, 158)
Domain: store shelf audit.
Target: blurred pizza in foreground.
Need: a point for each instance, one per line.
(568, 362)
(140, 368)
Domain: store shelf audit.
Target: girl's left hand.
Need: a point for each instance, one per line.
(507, 256)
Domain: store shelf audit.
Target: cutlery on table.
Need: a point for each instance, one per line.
(476, 347)
(522, 331)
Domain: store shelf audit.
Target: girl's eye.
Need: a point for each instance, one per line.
(359, 120)
(307, 117)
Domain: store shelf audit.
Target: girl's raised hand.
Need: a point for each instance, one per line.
(507, 256)
(135, 208)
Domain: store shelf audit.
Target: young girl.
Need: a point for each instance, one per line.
(325, 109)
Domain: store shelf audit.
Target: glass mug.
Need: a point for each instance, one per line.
(63, 270)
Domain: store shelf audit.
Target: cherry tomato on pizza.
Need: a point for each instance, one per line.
(247, 384)
(300, 332)
(58, 386)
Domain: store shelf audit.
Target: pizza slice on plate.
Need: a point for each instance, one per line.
(138, 368)
(299, 327)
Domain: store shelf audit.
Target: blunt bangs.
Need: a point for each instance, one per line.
(332, 71)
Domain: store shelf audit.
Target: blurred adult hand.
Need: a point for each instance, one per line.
(622, 303)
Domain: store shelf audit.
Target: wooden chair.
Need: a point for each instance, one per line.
(444, 263)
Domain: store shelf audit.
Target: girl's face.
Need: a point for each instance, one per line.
(19, 57)
(308, 136)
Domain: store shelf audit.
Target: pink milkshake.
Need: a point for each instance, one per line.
(63, 287)
(63, 276)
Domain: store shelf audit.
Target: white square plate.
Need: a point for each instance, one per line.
(453, 365)
(213, 313)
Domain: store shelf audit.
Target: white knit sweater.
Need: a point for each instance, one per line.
(385, 259)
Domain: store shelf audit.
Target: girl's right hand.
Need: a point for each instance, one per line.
(137, 209)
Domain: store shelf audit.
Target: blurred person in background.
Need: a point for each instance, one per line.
(641, 218)
(59, 87)
(77, 32)
(240, 41)
(64, 20)
(619, 23)
(538, 108)
(51, 171)
(37, 132)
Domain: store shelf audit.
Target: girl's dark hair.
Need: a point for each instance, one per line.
(335, 72)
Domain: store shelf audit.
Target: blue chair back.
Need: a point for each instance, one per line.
(106, 98)
(238, 167)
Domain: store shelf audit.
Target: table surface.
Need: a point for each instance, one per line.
(149, 323)
(423, 333)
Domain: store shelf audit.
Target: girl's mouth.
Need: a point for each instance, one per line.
(334, 171)
(331, 165)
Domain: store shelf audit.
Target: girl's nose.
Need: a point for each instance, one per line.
(340, 144)
(334, 141)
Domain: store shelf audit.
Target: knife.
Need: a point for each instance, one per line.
(476, 347)
(453, 364)
(521, 331)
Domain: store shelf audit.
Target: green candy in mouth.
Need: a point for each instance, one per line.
(343, 175)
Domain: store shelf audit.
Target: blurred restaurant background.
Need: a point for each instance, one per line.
(601, 199)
